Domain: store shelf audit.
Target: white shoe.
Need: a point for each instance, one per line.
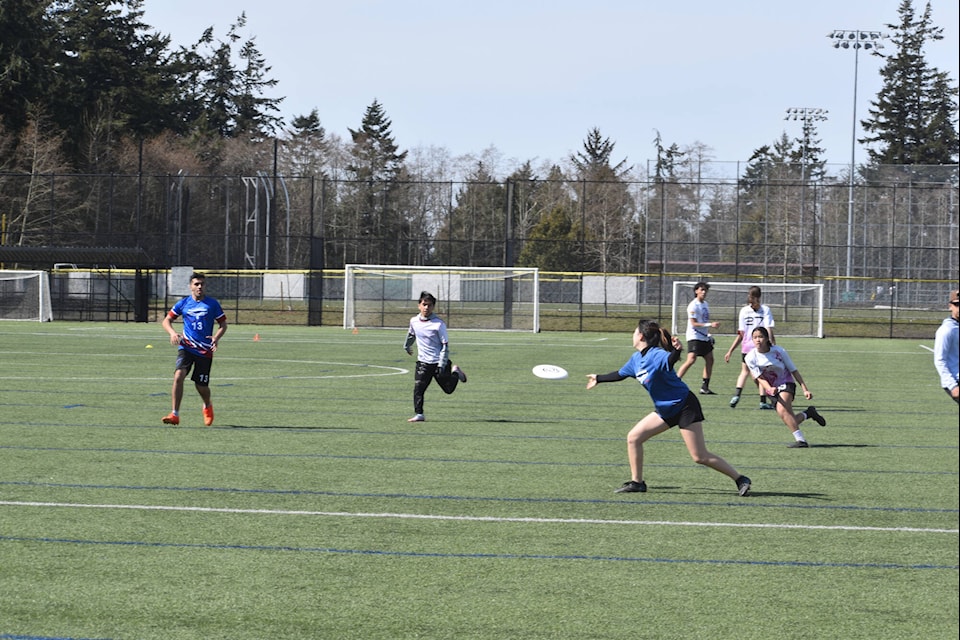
(460, 374)
(417, 418)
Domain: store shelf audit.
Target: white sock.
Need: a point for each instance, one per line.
(798, 435)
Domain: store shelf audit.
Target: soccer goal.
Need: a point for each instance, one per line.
(25, 295)
(482, 298)
(797, 308)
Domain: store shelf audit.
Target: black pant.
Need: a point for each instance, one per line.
(425, 373)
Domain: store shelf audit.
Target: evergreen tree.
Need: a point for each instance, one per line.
(110, 78)
(373, 207)
(474, 234)
(555, 243)
(26, 52)
(913, 119)
(231, 98)
(609, 211)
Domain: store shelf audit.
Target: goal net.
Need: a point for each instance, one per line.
(797, 308)
(25, 295)
(483, 298)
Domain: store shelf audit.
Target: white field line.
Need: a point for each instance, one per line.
(419, 516)
(923, 346)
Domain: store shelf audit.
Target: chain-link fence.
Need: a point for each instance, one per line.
(886, 239)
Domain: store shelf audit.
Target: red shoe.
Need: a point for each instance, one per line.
(208, 415)
(172, 418)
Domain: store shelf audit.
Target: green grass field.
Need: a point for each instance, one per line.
(312, 509)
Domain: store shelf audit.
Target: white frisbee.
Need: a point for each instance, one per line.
(550, 372)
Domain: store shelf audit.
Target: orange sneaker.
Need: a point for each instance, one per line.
(208, 415)
(171, 418)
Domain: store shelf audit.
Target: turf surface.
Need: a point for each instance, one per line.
(312, 509)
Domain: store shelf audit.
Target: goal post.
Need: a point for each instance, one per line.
(797, 308)
(25, 295)
(480, 298)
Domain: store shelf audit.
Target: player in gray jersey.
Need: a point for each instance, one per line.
(429, 333)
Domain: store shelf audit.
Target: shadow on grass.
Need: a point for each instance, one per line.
(841, 446)
(286, 427)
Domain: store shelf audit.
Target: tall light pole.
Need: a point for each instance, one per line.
(808, 116)
(856, 40)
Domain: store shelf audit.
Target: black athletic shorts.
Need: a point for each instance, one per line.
(699, 347)
(199, 364)
(690, 412)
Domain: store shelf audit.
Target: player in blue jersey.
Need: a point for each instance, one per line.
(674, 405)
(433, 354)
(946, 353)
(196, 346)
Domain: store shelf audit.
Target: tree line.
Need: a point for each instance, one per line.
(89, 90)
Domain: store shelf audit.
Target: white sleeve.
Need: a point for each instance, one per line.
(940, 347)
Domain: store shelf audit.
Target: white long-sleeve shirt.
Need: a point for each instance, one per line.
(946, 352)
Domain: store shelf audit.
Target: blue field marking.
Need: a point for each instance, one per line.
(741, 503)
(328, 456)
(483, 556)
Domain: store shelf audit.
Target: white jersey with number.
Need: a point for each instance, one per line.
(750, 319)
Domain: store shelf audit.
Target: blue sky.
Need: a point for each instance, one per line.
(532, 77)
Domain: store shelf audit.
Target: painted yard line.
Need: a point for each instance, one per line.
(419, 516)
(923, 346)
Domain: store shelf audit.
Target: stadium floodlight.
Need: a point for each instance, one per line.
(806, 115)
(854, 39)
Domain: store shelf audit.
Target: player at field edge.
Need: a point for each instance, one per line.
(946, 349)
(195, 348)
(699, 340)
(773, 369)
(674, 405)
(433, 354)
(753, 314)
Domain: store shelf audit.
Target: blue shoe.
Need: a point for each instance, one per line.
(733, 401)
(764, 405)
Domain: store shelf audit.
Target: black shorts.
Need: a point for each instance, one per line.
(199, 364)
(690, 412)
(699, 347)
(789, 387)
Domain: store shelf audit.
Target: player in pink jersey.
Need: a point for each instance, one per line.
(771, 366)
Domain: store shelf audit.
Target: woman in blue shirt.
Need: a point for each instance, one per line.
(674, 405)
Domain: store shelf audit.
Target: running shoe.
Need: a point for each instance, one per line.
(171, 418)
(208, 415)
(417, 418)
(733, 401)
(798, 444)
(632, 486)
(743, 485)
(764, 405)
(706, 392)
(814, 415)
(459, 373)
